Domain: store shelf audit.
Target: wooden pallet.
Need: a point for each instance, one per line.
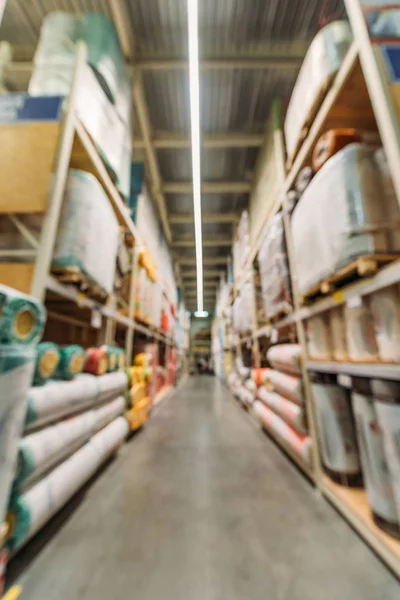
(364, 266)
(74, 276)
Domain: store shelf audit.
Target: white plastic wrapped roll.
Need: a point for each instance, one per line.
(57, 399)
(360, 333)
(289, 386)
(335, 426)
(300, 444)
(34, 508)
(291, 413)
(39, 451)
(338, 334)
(385, 309)
(319, 343)
(285, 357)
(373, 460)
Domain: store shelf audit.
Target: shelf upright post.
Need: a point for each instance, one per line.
(301, 334)
(131, 310)
(50, 226)
(378, 85)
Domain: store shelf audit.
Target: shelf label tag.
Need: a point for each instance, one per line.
(354, 302)
(344, 380)
(96, 318)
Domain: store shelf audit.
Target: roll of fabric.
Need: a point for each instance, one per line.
(259, 376)
(47, 360)
(16, 370)
(138, 414)
(112, 357)
(96, 361)
(291, 413)
(72, 359)
(300, 444)
(285, 357)
(57, 399)
(121, 360)
(137, 393)
(31, 510)
(22, 318)
(289, 386)
(40, 451)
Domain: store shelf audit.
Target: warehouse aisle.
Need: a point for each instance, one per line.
(201, 505)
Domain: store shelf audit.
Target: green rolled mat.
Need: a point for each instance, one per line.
(47, 360)
(22, 318)
(19, 518)
(72, 360)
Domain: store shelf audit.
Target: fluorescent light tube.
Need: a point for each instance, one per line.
(193, 31)
(201, 314)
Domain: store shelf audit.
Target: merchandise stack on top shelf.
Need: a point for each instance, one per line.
(339, 199)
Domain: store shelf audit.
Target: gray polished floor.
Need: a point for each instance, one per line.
(200, 505)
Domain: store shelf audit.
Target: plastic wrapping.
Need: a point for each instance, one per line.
(22, 318)
(385, 310)
(289, 386)
(360, 333)
(291, 413)
(274, 269)
(387, 403)
(335, 427)
(16, 370)
(35, 507)
(300, 444)
(57, 399)
(338, 219)
(40, 451)
(338, 334)
(285, 357)
(390, 204)
(319, 341)
(47, 360)
(373, 461)
(88, 230)
(71, 362)
(321, 63)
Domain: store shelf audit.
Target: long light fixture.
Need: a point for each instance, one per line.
(193, 30)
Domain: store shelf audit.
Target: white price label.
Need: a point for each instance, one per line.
(354, 302)
(96, 318)
(344, 381)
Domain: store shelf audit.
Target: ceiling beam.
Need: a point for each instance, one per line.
(218, 187)
(175, 141)
(218, 217)
(207, 260)
(219, 63)
(207, 242)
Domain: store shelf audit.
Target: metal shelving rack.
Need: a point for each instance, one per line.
(361, 79)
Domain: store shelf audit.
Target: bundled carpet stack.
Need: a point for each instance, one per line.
(22, 321)
(280, 401)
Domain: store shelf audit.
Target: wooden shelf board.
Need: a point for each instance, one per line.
(353, 505)
(372, 369)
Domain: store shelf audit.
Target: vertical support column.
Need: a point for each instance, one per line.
(301, 334)
(378, 86)
(131, 310)
(50, 226)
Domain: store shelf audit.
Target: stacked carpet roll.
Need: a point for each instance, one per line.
(35, 507)
(280, 402)
(22, 321)
(48, 357)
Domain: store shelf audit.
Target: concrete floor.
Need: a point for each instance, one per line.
(200, 505)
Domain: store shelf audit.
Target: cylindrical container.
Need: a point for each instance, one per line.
(387, 403)
(16, 370)
(22, 318)
(336, 431)
(289, 386)
(96, 361)
(285, 357)
(71, 363)
(373, 460)
(319, 343)
(338, 334)
(47, 360)
(360, 333)
(385, 309)
(291, 413)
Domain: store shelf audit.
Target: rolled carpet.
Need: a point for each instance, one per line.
(31, 510)
(289, 386)
(97, 361)
(57, 399)
(71, 363)
(22, 318)
(16, 370)
(286, 357)
(121, 361)
(291, 413)
(112, 357)
(40, 451)
(47, 361)
(300, 444)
